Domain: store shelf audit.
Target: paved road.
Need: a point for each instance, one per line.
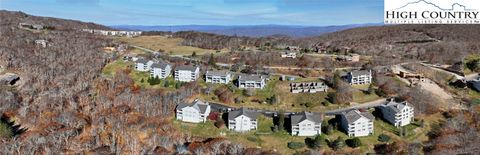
(357, 106)
(270, 113)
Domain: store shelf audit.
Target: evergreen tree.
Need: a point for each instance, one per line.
(148, 79)
(383, 138)
(178, 85)
(354, 142)
(338, 144)
(319, 139)
(327, 128)
(166, 84)
(211, 61)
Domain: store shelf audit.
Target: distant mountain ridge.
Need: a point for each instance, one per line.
(249, 31)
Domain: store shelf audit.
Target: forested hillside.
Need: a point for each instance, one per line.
(62, 104)
(436, 43)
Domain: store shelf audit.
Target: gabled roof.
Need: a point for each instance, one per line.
(395, 106)
(250, 77)
(217, 73)
(186, 67)
(360, 72)
(354, 115)
(160, 64)
(242, 111)
(197, 104)
(142, 60)
(314, 117)
(202, 106)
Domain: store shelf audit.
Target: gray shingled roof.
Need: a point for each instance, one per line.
(314, 117)
(354, 114)
(475, 84)
(186, 67)
(395, 106)
(141, 60)
(197, 104)
(160, 64)
(360, 72)
(182, 105)
(242, 111)
(217, 73)
(202, 106)
(250, 77)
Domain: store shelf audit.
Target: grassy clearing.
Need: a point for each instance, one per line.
(415, 133)
(263, 137)
(287, 100)
(171, 46)
(165, 84)
(266, 139)
(110, 69)
(200, 129)
(473, 94)
(361, 96)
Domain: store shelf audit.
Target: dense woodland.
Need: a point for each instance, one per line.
(63, 104)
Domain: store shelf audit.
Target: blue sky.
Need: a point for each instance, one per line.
(206, 12)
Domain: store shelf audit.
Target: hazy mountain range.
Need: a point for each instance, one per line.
(251, 31)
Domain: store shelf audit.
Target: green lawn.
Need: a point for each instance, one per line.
(264, 125)
(473, 94)
(110, 69)
(414, 132)
(165, 84)
(269, 89)
(263, 137)
(287, 101)
(172, 46)
(207, 129)
(266, 139)
(362, 97)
